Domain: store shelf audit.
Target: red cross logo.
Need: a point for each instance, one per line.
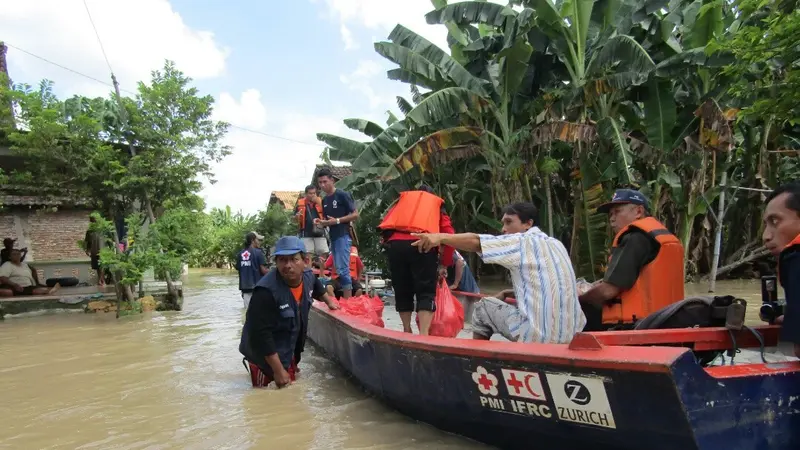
(515, 383)
(487, 383)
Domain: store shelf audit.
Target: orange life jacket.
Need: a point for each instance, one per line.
(301, 207)
(353, 265)
(793, 246)
(414, 212)
(660, 282)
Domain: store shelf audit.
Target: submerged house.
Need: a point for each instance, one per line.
(49, 227)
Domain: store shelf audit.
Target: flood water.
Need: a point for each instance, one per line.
(175, 380)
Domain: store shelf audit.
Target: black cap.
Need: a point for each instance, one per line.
(625, 197)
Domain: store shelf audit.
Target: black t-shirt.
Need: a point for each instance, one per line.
(634, 250)
(263, 316)
(311, 214)
(336, 206)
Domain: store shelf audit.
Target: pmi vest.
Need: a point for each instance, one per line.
(290, 333)
(301, 206)
(660, 282)
(414, 212)
(793, 246)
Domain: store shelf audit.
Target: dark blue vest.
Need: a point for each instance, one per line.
(290, 334)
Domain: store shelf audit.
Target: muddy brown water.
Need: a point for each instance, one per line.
(175, 380)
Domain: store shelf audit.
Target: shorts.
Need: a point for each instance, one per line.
(415, 276)
(260, 379)
(493, 315)
(316, 245)
(95, 262)
(246, 296)
(337, 287)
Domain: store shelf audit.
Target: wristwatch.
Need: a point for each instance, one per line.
(337, 221)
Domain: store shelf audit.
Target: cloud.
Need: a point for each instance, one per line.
(279, 154)
(137, 37)
(347, 38)
(383, 15)
(364, 79)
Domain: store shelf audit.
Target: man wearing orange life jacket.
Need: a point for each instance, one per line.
(356, 269)
(782, 237)
(415, 274)
(307, 210)
(645, 269)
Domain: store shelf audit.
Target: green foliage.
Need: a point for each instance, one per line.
(572, 99)
(146, 159)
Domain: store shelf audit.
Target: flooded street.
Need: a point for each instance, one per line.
(175, 380)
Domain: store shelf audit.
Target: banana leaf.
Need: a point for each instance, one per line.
(441, 147)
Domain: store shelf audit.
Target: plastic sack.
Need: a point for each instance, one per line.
(448, 319)
(363, 307)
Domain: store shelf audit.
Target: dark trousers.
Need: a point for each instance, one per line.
(414, 274)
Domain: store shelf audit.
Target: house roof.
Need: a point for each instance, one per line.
(286, 198)
(30, 195)
(338, 172)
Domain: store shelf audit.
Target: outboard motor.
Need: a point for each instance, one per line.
(771, 307)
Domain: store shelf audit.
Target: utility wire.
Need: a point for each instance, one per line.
(97, 34)
(106, 83)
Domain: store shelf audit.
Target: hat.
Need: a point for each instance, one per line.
(289, 245)
(255, 235)
(623, 197)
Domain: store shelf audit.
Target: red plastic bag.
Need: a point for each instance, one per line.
(363, 307)
(448, 319)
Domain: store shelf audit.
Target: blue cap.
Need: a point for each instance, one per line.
(289, 245)
(623, 197)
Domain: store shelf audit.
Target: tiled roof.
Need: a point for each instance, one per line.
(36, 200)
(338, 172)
(287, 198)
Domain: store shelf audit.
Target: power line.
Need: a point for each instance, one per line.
(97, 34)
(97, 80)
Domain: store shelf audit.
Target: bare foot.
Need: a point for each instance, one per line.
(54, 289)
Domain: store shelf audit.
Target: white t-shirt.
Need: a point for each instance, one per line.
(18, 274)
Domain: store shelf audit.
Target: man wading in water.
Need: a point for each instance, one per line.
(277, 319)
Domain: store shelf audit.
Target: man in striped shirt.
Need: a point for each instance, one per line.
(547, 309)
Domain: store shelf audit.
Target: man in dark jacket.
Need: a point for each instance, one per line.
(277, 320)
(251, 265)
(782, 238)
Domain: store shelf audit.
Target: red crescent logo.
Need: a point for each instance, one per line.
(528, 385)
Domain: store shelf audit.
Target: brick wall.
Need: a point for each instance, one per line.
(50, 236)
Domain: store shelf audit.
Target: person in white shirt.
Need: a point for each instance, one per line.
(16, 278)
(547, 309)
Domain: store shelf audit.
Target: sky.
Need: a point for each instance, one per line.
(281, 71)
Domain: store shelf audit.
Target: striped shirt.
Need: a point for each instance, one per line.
(548, 310)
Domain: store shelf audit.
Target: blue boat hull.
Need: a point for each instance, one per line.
(518, 396)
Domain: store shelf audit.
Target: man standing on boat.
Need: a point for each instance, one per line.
(340, 210)
(275, 326)
(782, 238)
(308, 210)
(251, 265)
(415, 274)
(645, 270)
(547, 307)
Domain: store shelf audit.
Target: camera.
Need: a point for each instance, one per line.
(771, 307)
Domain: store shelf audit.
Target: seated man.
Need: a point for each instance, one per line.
(782, 238)
(356, 270)
(5, 253)
(17, 278)
(645, 270)
(547, 308)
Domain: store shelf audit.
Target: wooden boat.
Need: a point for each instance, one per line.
(610, 390)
